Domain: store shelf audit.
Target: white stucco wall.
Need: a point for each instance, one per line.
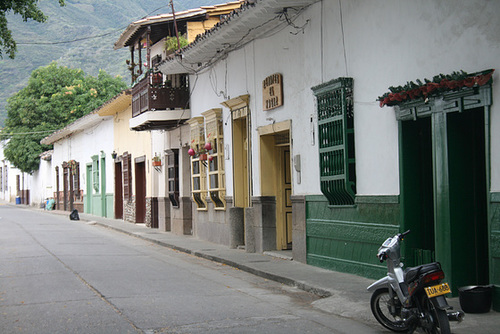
(81, 147)
(8, 186)
(387, 43)
(41, 185)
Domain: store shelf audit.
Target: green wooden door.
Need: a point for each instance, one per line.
(89, 190)
(468, 206)
(443, 194)
(417, 200)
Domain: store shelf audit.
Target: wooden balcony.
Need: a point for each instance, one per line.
(161, 105)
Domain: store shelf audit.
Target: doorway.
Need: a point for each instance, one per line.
(89, 189)
(276, 178)
(240, 162)
(140, 191)
(118, 191)
(468, 190)
(444, 194)
(283, 198)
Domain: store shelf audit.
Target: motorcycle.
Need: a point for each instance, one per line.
(405, 300)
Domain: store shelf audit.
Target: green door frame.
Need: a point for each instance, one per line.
(438, 108)
(103, 185)
(89, 189)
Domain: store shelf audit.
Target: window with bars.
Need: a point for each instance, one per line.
(173, 176)
(127, 175)
(6, 182)
(76, 180)
(336, 140)
(216, 173)
(95, 173)
(198, 163)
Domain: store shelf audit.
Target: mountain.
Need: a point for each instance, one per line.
(39, 44)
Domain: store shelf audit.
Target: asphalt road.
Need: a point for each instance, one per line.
(62, 276)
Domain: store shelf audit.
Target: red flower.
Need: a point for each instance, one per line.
(483, 79)
(443, 83)
(431, 86)
(469, 82)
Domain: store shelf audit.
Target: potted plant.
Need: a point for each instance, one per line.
(156, 160)
(172, 44)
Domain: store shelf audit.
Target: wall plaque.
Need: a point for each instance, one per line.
(272, 91)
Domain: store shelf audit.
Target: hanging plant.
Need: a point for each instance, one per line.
(440, 83)
(203, 153)
(156, 160)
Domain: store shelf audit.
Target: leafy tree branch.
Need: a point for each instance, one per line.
(28, 9)
(54, 97)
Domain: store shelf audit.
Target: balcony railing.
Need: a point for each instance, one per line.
(169, 95)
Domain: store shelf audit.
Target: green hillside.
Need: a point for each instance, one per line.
(40, 43)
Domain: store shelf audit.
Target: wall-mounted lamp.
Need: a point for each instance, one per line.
(114, 154)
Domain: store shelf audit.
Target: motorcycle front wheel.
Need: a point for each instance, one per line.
(387, 310)
(438, 319)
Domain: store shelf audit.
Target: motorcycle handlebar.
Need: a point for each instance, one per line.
(403, 235)
(382, 257)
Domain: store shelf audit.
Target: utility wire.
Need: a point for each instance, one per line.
(69, 41)
(25, 133)
(89, 37)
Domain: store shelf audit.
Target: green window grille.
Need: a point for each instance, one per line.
(336, 140)
(95, 173)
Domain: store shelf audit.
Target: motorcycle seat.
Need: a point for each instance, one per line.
(413, 273)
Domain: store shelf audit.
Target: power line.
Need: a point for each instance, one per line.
(89, 37)
(69, 41)
(25, 133)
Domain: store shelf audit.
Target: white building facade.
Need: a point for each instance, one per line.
(15, 185)
(82, 166)
(322, 169)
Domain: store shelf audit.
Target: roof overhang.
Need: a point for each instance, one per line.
(77, 126)
(136, 29)
(129, 35)
(159, 119)
(117, 104)
(253, 20)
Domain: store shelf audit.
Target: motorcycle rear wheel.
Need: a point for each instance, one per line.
(440, 322)
(380, 303)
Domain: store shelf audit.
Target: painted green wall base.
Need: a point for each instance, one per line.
(96, 207)
(496, 298)
(346, 238)
(495, 248)
(110, 210)
(86, 207)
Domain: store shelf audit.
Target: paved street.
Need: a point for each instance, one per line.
(62, 276)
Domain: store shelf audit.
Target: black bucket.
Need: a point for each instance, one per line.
(475, 298)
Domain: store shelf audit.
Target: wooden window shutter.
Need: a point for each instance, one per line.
(127, 176)
(76, 180)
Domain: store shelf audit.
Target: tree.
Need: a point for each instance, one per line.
(28, 9)
(54, 97)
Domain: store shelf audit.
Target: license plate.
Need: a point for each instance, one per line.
(437, 290)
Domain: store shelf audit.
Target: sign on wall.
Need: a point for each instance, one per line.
(272, 91)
